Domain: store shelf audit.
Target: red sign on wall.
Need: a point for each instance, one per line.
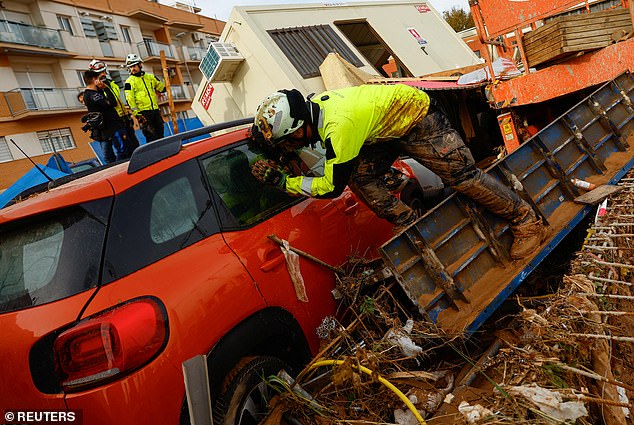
(205, 98)
(423, 8)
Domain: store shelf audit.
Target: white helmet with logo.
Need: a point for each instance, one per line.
(132, 59)
(274, 118)
(97, 65)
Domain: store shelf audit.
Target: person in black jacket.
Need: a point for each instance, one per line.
(112, 133)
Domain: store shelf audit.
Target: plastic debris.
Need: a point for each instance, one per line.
(401, 338)
(550, 402)
(503, 68)
(474, 414)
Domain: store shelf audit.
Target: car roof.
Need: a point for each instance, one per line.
(112, 180)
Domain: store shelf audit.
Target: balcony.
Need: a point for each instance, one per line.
(28, 35)
(42, 101)
(150, 50)
(193, 54)
(180, 93)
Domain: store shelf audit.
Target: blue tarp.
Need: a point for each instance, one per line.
(58, 167)
(30, 179)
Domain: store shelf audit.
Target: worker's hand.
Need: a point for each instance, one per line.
(142, 120)
(268, 172)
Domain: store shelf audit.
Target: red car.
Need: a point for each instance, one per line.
(110, 281)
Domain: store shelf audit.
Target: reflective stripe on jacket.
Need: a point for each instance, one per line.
(351, 117)
(140, 92)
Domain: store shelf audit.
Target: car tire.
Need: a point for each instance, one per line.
(245, 396)
(413, 198)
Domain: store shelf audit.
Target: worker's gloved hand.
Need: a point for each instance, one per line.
(268, 172)
(142, 120)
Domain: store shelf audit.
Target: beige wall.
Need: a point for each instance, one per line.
(266, 68)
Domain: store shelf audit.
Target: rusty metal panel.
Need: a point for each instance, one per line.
(557, 80)
(453, 263)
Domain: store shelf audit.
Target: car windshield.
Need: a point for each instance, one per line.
(51, 256)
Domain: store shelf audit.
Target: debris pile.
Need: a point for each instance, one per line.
(563, 358)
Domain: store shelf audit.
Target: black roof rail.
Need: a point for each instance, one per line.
(158, 150)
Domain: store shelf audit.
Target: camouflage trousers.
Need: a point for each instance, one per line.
(439, 147)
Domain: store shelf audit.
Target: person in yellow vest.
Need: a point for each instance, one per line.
(101, 68)
(363, 130)
(141, 90)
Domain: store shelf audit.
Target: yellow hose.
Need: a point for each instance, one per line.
(382, 380)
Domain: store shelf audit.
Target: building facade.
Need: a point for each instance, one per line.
(282, 46)
(45, 46)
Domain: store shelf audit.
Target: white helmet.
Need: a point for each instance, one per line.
(132, 59)
(274, 117)
(97, 65)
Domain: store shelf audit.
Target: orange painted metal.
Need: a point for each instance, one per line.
(509, 134)
(557, 80)
(504, 16)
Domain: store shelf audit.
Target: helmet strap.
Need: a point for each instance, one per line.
(311, 120)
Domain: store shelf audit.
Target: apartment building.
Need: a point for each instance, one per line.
(46, 45)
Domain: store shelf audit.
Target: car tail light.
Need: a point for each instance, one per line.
(111, 343)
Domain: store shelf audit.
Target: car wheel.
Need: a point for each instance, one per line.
(246, 395)
(413, 198)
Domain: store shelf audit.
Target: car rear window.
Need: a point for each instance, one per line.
(51, 256)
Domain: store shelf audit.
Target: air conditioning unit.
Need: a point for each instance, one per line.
(220, 62)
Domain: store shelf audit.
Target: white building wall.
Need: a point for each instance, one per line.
(267, 69)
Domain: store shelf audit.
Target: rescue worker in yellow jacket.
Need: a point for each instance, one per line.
(363, 130)
(123, 112)
(141, 90)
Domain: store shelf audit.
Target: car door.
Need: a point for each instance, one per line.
(249, 212)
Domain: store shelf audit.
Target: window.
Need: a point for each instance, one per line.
(88, 27)
(307, 47)
(64, 24)
(157, 218)
(5, 153)
(52, 256)
(56, 140)
(242, 200)
(125, 31)
(119, 77)
(80, 75)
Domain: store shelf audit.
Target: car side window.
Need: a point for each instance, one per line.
(156, 218)
(242, 200)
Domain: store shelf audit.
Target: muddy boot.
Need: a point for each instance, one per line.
(528, 237)
(528, 230)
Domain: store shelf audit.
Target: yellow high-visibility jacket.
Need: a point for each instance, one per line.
(351, 117)
(140, 92)
(116, 91)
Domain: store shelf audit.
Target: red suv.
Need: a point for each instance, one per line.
(110, 281)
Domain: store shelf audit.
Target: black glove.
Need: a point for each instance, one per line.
(142, 120)
(268, 172)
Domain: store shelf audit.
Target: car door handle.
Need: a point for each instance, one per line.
(274, 262)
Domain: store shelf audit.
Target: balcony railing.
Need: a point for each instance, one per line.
(179, 92)
(195, 53)
(153, 48)
(25, 100)
(13, 32)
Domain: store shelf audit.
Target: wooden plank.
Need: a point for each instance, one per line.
(575, 33)
(597, 195)
(595, 18)
(580, 30)
(624, 22)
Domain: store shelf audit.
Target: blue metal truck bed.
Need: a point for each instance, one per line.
(453, 263)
